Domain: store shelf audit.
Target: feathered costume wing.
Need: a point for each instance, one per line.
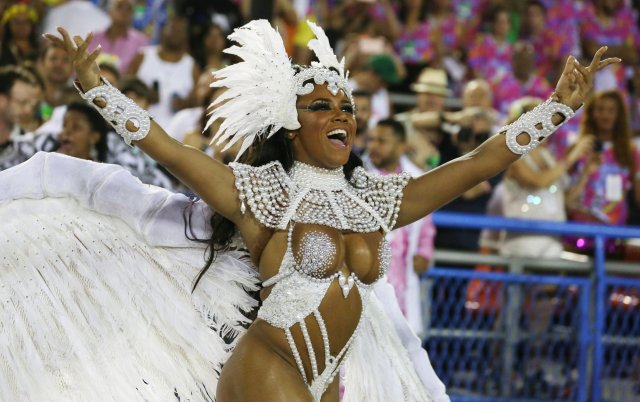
(95, 288)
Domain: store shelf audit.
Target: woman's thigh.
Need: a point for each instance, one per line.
(254, 372)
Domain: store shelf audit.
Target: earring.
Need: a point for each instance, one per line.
(291, 135)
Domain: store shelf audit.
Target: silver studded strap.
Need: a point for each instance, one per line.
(541, 116)
(118, 111)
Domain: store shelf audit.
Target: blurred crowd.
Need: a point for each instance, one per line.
(432, 80)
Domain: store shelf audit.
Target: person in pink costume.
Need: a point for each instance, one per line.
(523, 79)
(412, 245)
(610, 23)
(120, 39)
(490, 55)
(548, 47)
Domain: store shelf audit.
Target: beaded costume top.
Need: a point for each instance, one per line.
(366, 203)
(310, 195)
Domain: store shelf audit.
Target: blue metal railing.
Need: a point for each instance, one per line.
(613, 332)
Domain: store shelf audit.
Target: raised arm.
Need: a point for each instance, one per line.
(434, 189)
(210, 179)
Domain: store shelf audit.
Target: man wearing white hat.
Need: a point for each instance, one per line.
(431, 89)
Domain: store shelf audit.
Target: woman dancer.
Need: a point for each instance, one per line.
(312, 221)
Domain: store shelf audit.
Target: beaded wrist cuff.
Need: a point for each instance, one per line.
(118, 111)
(528, 124)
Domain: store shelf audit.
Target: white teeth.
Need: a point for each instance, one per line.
(338, 131)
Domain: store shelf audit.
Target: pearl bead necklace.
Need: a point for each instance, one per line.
(314, 195)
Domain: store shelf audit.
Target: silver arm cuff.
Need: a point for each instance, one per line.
(541, 116)
(118, 111)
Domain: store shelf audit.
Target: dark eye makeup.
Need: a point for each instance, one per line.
(324, 105)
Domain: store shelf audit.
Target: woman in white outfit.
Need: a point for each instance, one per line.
(311, 220)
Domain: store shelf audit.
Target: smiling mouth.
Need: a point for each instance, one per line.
(338, 137)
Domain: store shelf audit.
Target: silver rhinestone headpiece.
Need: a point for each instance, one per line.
(320, 76)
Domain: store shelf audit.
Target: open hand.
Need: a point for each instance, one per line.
(577, 80)
(84, 63)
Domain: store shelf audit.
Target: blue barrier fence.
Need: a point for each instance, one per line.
(498, 336)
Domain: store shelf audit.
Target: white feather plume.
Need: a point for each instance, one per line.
(260, 96)
(323, 51)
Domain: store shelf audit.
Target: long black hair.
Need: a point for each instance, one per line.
(277, 148)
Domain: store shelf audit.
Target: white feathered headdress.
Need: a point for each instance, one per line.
(262, 89)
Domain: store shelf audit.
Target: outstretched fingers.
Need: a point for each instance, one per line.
(598, 64)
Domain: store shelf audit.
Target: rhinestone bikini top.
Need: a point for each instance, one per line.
(309, 194)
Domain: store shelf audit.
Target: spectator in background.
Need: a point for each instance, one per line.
(443, 126)
(201, 138)
(18, 43)
(110, 72)
(605, 176)
(521, 81)
(120, 39)
(6, 124)
(610, 23)
(15, 83)
(425, 139)
(470, 12)
(477, 94)
(209, 55)
(136, 90)
(634, 104)
(534, 188)
(168, 70)
(56, 70)
(188, 120)
(472, 133)
(84, 133)
(415, 44)
(362, 18)
(381, 71)
(285, 19)
(448, 30)
(373, 37)
(490, 54)
(564, 18)
(549, 47)
(362, 100)
(198, 137)
(78, 16)
(412, 245)
(21, 93)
